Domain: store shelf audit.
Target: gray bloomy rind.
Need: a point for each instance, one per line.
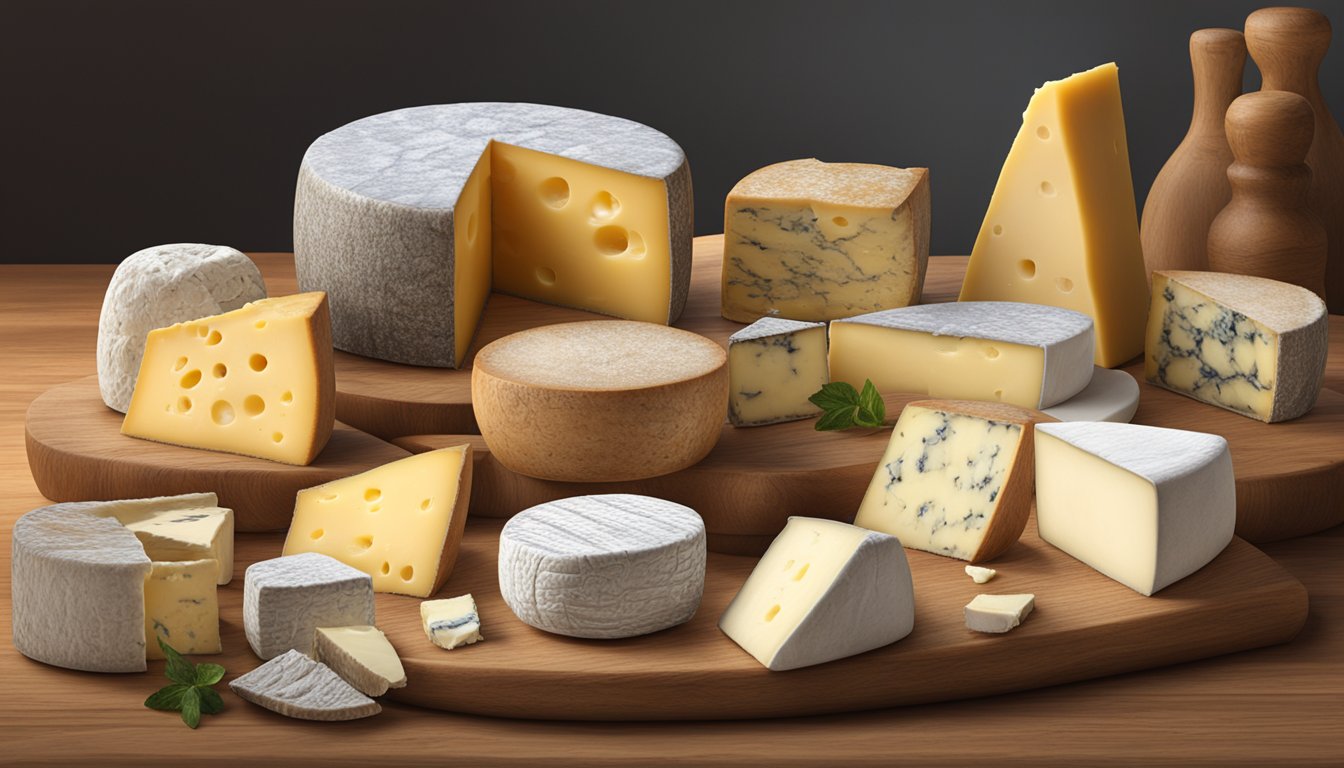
(295, 686)
(608, 566)
(77, 586)
(375, 200)
(157, 287)
(771, 326)
(286, 599)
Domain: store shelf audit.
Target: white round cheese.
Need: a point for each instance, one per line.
(606, 566)
(600, 401)
(160, 286)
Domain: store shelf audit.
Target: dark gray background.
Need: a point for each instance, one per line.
(130, 124)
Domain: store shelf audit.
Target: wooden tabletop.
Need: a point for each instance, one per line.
(1280, 706)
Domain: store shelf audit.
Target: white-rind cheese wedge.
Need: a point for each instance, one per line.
(956, 479)
(1251, 345)
(808, 240)
(77, 586)
(286, 599)
(401, 523)
(1145, 506)
(362, 656)
(451, 622)
(295, 686)
(157, 287)
(257, 381)
(600, 401)
(1061, 228)
(182, 608)
(774, 366)
(608, 566)
(438, 205)
(824, 590)
(997, 614)
(179, 528)
(1111, 395)
(998, 351)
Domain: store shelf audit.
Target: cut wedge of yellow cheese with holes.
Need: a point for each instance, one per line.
(1061, 228)
(257, 381)
(401, 523)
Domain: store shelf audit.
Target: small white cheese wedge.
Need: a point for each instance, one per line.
(452, 622)
(1146, 506)
(824, 590)
(980, 575)
(287, 598)
(997, 614)
(362, 656)
(295, 686)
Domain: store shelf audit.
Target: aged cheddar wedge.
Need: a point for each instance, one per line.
(774, 366)
(257, 381)
(808, 240)
(1061, 228)
(401, 523)
(182, 608)
(1023, 354)
(956, 479)
(1146, 506)
(824, 590)
(1248, 344)
(600, 401)
(438, 205)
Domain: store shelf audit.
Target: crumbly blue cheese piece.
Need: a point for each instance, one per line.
(808, 240)
(774, 366)
(1248, 344)
(295, 686)
(182, 608)
(287, 598)
(451, 622)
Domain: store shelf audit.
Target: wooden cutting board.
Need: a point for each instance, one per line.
(1084, 626)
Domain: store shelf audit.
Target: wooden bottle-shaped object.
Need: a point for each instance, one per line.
(1192, 187)
(1268, 229)
(1288, 44)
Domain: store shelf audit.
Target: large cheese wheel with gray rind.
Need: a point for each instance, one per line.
(396, 217)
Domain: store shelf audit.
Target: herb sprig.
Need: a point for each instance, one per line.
(191, 692)
(842, 406)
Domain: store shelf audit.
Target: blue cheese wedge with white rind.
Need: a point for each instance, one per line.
(608, 566)
(286, 599)
(956, 479)
(1146, 506)
(295, 686)
(178, 528)
(1027, 355)
(1254, 346)
(182, 608)
(451, 622)
(824, 590)
(774, 366)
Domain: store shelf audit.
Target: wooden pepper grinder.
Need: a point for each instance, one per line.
(1268, 229)
(1288, 44)
(1192, 187)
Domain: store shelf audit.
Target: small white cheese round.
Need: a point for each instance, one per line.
(606, 566)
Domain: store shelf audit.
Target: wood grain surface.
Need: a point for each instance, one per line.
(1278, 705)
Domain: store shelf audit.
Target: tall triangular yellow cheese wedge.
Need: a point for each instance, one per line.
(1061, 228)
(258, 381)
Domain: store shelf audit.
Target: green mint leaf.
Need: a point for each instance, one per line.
(211, 703)
(837, 419)
(167, 698)
(209, 674)
(191, 707)
(870, 403)
(178, 669)
(835, 395)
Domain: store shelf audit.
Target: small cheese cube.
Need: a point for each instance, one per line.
(286, 599)
(182, 608)
(452, 622)
(997, 614)
(774, 366)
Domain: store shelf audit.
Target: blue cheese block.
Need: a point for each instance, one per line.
(287, 598)
(409, 219)
(451, 622)
(1254, 346)
(774, 366)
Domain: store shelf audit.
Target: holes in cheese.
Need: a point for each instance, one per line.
(611, 240)
(291, 358)
(605, 206)
(406, 547)
(555, 192)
